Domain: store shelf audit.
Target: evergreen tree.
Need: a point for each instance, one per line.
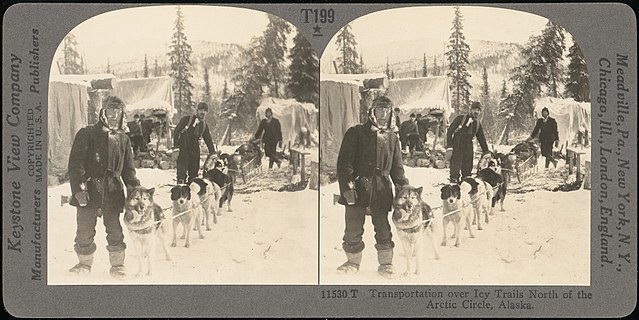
(225, 90)
(393, 74)
(577, 83)
(72, 62)
(424, 68)
(146, 67)
(274, 51)
(436, 70)
(156, 68)
(251, 78)
(457, 56)
(485, 87)
(504, 90)
(388, 72)
(180, 58)
(207, 86)
(552, 51)
(108, 69)
(489, 116)
(362, 69)
(347, 46)
(304, 71)
(527, 82)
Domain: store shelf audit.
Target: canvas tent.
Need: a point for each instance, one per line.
(339, 102)
(571, 116)
(420, 95)
(293, 116)
(67, 112)
(144, 95)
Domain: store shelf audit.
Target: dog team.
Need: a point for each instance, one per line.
(194, 204)
(463, 204)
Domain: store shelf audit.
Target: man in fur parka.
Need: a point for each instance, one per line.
(369, 157)
(101, 159)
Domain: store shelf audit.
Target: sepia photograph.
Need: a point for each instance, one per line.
(454, 150)
(183, 148)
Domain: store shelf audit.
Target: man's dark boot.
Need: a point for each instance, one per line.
(118, 270)
(351, 266)
(385, 259)
(84, 264)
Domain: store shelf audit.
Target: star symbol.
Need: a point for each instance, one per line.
(317, 30)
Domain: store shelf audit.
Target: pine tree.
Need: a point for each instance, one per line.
(457, 56)
(362, 69)
(225, 90)
(485, 87)
(504, 90)
(577, 80)
(527, 80)
(304, 71)
(424, 68)
(72, 62)
(146, 67)
(347, 46)
(274, 51)
(180, 58)
(251, 78)
(108, 69)
(207, 86)
(393, 74)
(436, 70)
(489, 115)
(552, 50)
(388, 72)
(156, 68)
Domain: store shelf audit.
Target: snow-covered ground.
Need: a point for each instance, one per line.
(270, 237)
(543, 238)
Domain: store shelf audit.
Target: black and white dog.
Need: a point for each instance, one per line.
(221, 176)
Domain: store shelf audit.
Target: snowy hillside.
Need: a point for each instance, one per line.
(270, 237)
(543, 238)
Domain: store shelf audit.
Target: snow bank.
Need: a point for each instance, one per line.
(269, 238)
(543, 238)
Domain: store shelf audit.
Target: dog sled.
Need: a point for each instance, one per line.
(250, 160)
(527, 154)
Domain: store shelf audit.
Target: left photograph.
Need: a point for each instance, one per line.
(183, 149)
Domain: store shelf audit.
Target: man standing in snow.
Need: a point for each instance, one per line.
(187, 135)
(270, 131)
(101, 159)
(459, 137)
(546, 127)
(369, 157)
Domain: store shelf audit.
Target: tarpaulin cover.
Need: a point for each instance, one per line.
(420, 95)
(67, 113)
(339, 105)
(143, 95)
(293, 116)
(571, 116)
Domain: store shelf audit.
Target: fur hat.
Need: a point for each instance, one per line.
(111, 102)
(202, 106)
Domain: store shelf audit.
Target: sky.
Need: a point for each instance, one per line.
(480, 23)
(133, 32)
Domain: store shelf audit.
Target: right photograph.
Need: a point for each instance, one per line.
(454, 150)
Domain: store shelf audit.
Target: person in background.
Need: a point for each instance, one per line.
(101, 159)
(459, 137)
(369, 160)
(546, 127)
(135, 134)
(188, 133)
(270, 132)
(409, 133)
